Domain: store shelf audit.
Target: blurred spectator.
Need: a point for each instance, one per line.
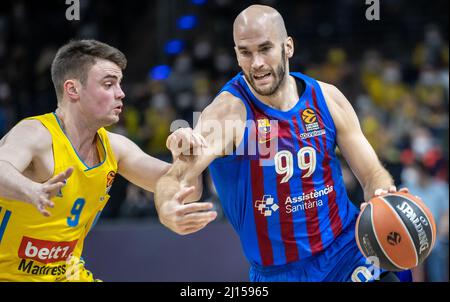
(420, 182)
(386, 89)
(156, 120)
(432, 50)
(138, 203)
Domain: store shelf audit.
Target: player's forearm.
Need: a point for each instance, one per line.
(379, 179)
(179, 176)
(197, 194)
(13, 185)
(166, 188)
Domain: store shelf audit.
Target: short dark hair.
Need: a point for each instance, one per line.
(74, 60)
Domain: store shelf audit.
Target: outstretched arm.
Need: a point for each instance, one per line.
(144, 170)
(172, 211)
(355, 148)
(18, 151)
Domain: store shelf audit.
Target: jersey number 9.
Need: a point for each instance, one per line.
(74, 218)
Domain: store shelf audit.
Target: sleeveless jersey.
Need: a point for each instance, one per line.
(38, 248)
(282, 188)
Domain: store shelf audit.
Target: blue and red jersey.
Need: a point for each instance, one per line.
(282, 188)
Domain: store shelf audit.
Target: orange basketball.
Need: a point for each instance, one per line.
(397, 229)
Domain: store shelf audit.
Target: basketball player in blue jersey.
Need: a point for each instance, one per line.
(286, 200)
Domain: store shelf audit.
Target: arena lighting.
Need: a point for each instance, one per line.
(198, 2)
(187, 22)
(174, 47)
(160, 72)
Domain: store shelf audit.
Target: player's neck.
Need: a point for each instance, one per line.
(284, 98)
(81, 134)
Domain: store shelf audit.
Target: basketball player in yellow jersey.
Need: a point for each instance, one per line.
(56, 169)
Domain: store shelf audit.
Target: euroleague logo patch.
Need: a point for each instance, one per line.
(309, 116)
(394, 238)
(109, 180)
(311, 123)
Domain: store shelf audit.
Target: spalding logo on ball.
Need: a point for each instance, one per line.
(396, 228)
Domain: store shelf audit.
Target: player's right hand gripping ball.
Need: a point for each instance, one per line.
(397, 230)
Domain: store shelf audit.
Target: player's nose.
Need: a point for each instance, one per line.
(257, 62)
(120, 94)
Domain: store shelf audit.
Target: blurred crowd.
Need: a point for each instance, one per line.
(394, 72)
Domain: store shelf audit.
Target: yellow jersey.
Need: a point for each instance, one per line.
(38, 248)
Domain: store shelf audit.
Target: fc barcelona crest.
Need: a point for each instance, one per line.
(264, 126)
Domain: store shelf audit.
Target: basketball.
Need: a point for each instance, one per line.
(396, 230)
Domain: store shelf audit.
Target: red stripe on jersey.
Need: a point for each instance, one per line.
(312, 214)
(265, 246)
(316, 138)
(335, 219)
(257, 182)
(284, 191)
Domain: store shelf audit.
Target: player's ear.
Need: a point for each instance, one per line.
(237, 55)
(72, 89)
(289, 47)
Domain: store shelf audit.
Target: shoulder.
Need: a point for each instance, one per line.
(337, 103)
(30, 133)
(122, 146)
(119, 143)
(225, 105)
(115, 138)
(227, 100)
(344, 116)
(332, 94)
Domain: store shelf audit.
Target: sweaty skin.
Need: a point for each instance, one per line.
(256, 17)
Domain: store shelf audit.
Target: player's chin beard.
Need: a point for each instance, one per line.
(279, 77)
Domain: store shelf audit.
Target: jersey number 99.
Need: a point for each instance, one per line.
(284, 162)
